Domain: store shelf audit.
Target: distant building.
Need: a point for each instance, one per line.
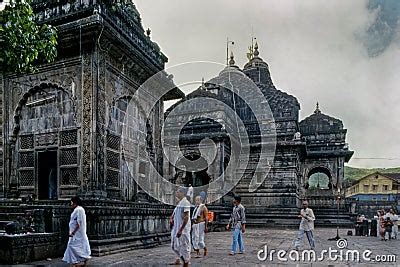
(375, 187)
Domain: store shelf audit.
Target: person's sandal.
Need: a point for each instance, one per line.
(205, 251)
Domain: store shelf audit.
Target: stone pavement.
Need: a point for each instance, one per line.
(256, 239)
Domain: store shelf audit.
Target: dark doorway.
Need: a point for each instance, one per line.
(198, 178)
(47, 175)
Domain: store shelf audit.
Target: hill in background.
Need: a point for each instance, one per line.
(351, 173)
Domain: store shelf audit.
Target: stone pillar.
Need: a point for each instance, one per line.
(13, 184)
(86, 129)
(2, 182)
(101, 120)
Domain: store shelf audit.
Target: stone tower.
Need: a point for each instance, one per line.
(62, 129)
(62, 126)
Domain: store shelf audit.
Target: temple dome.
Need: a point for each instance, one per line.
(231, 67)
(257, 69)
(319, 123)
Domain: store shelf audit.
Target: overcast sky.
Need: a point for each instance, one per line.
(343, 54)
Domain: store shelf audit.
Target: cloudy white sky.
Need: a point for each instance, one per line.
(343, 54)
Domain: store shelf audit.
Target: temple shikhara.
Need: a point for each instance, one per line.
(62, 131)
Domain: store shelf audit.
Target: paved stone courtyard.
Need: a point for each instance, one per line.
(255, 239)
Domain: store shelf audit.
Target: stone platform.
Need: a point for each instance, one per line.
(255, 239)
(112, 227)
(27, 247)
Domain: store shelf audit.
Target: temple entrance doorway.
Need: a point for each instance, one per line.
(47, 174)
(197, 178)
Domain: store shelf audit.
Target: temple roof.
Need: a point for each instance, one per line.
(257, 69)
(255, 59)
(394, 176)
(280, 102)
(320, 123)
(122, 16)
(200, 92)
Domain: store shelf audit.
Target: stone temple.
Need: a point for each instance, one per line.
(62, 130)
(309, 156)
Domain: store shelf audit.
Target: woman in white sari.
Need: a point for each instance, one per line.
(78, 249)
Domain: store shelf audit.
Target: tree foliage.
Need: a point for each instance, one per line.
(23, 42)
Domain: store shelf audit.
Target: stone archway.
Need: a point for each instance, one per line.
(42, 90)
(43, 152)
(319, 178)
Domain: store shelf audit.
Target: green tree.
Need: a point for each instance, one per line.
(23, 42)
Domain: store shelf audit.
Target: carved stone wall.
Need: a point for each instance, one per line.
(40, 110)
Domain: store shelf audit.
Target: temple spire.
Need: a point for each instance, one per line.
(228, 42)
(317, 110)
(203, 86)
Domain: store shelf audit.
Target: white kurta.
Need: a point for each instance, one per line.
(78, 249)
(307, 224)
(181, 246)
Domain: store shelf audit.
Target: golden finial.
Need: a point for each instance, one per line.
(250, 53)
(231, 60)
(256, 53)
(252, 49)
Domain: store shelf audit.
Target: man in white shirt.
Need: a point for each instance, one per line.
(306, 226)
(180, 234)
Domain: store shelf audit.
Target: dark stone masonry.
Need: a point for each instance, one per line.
(62, 132)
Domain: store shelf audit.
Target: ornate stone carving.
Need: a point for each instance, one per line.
(47, 139)
(86, 132)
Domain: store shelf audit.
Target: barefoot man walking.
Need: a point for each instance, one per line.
(199, 226)
(180, 235)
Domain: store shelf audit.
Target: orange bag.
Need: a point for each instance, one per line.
(210, 216)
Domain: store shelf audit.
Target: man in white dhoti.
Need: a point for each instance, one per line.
(78, 249)
(180, 234)
(199, 226)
